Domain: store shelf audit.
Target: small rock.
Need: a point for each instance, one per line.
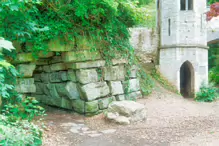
(124, 112)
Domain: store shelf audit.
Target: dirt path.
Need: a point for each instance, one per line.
(172, 121)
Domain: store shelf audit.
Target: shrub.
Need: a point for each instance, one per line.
(207, 93)
(19, 133)
(28, 108)
(214, 75)
(14, 131)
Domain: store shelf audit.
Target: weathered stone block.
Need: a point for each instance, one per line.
(55, 59)
(120, 97)
(56, 77)
(66, 103)
(25, 81)
(45, 77)
(132, 85)
(79, 56)
(134, 71)
(68, 89)
(91, 107)
(58, 45)
(26, 85)
(93, 91)
(116, 87)
(124, 112)
(39, 89)
(134, 95)
(37, 77)
(39, 69)
(56, 101)
(45, 54)
(26, 88)
(104, 103)
(87, 76)
(78, 106)
(119, 61)
(24, 57)
(45, 89)
(82, 65)
(63, 75)
(114, 73)
(39, 97)
(71, 75)
(52, 91)
(26, 70)
(46, 68)
(42, 62)
(58, 67)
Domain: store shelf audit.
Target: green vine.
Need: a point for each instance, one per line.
(104, 24)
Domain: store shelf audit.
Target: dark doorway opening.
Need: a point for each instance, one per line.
(187, 80)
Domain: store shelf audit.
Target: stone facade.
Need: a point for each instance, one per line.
(75, 80)
(183, 40)
(180, 38)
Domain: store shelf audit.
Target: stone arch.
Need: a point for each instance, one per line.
(187, 79)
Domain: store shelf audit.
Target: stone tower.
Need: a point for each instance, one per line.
(183, 43)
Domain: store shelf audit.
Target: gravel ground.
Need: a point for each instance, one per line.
(172, 121)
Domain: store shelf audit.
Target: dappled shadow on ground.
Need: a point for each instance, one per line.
(171, 120)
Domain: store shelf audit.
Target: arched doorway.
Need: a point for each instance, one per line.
(187, 80)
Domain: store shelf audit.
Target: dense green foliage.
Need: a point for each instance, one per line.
(207, 93)
(104, 22)
(28, 108)
(19, 133)
(14, 131)
(214, 63)
(8, 74)
(212, 1)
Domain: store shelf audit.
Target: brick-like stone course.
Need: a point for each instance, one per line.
(76, 80)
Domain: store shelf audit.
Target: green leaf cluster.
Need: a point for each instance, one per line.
(104, 22)
(213, 59)
(207, 93)
(19, 133)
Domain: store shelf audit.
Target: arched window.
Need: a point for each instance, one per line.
(186, 5)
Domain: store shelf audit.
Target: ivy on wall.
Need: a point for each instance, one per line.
(104, 22)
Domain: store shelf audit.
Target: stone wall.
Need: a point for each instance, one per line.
(144, 39)
(145, 42)
(76, 80)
